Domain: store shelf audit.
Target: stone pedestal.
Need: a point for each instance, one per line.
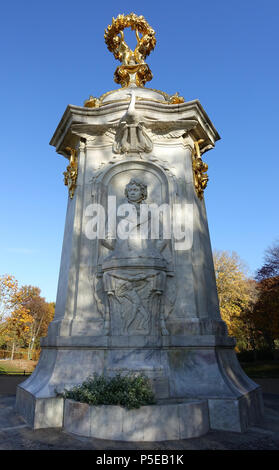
(142, 306)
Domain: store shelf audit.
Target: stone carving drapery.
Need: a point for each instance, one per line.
(134, 274)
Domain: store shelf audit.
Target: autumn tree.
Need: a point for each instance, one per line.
(16, 326)
(8, 289)
(267, 305)
(25, 315)
(237, 295)
(15, 318)
(41, 312)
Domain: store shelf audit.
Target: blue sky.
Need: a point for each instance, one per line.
(225, 53)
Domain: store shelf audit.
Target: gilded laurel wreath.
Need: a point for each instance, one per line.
(114, 38)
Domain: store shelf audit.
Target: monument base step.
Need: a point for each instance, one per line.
(168, 419)
(163, 422)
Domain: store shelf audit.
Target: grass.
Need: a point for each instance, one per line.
(17, 366)
(261, 370)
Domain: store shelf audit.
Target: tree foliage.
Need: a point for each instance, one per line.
(41, 313)
(235, 291)
(270, 267)
(8, 290)
(25, 315)
(266, 310)
(267, 306)
(249, 307)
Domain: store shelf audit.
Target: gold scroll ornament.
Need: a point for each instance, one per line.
(133, 68)
(70, 175)
(199, 170)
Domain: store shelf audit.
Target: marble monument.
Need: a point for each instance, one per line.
(132, 303)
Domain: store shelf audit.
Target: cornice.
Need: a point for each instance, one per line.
(113, 111)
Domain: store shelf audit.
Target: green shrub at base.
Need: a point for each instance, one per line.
(129, 391)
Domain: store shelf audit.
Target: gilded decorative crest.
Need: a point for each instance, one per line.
(133, 68)
(199, 170)
(70, 176)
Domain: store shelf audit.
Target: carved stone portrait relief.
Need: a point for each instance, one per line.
(134, 269)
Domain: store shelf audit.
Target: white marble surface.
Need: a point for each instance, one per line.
(185, 346)
(148, 423)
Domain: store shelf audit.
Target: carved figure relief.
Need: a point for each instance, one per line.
(199, 170)
(134, 273)
(134, 132)
(130, 135)
(70, 175)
